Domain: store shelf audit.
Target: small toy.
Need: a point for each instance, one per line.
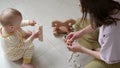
(40, 27)
(41, 33)
(63, 27)
(69, 42)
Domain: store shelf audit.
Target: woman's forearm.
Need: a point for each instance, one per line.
(86, 30)
(95, 54)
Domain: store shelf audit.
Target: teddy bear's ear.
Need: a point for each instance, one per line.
(70, 22)
(54, 23)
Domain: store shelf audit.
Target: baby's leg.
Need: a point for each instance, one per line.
(27, 57)
(28, 54)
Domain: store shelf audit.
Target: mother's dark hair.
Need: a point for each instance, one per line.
(100, 11)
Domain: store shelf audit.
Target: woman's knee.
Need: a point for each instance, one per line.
(96, 64)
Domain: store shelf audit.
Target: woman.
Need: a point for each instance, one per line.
(104, 15)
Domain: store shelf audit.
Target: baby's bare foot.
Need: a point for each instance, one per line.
(27, 65)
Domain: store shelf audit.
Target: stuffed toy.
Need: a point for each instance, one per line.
(60, 27)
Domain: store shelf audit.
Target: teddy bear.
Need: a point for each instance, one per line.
(60, 27)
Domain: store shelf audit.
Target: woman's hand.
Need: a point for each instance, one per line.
(71, 37)
(75, 47)
(74, 35)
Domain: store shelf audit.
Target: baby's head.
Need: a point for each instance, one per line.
(11, 19)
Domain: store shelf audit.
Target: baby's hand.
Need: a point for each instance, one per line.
(28, 33)
(36, 34)
(32, 22)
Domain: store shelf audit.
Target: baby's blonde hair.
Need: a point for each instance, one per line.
(7, 15)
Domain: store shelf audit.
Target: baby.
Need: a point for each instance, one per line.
(17, 44)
